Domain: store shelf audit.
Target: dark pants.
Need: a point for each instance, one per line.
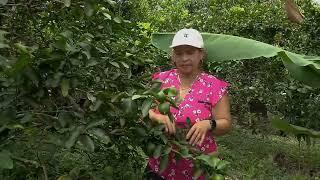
(150, 175)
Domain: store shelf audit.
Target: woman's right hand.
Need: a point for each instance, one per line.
(164, 119)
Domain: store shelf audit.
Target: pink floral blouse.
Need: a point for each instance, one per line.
(204, 93)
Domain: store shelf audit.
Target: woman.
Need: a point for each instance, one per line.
(203, 96)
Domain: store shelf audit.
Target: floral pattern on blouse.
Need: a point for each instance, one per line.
(205, 92)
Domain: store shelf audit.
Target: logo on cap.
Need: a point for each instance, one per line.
(186, 35)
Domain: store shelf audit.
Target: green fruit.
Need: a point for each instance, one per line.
(161, 97)
(171, 92)
(164, 108)
(217, 177)
(151, 147)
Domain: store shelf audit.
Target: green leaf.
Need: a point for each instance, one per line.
(96, 123)
(3, 2)
(167, 150)
(101, 134)
(197, 173)
(222, 47)
(293, 129)
(21, 63)
(171, 91)
(2, 45)
(22, 48)
(5, 160)
(129, 106)
(308, 140)
(31, 74)
(184, 152)
(140, 131)
(117, 19)
(65, 85)
(112, 3)
(87, 53)
(88, 9)
(67, 3)
(117, 97)
(204, 158)
(164, 108)
(115, 64)
(163, 138)
(122, 122)
(222, 164)
(164, 163)
(145, 107)
(219, 46)
(188, 121)
(136, 96)
(74, 136)
(67, 34)
(150, 147)
(3, 33)
(65, 177)
(306, 74)
(91, 97)
(125, 65)
(87, 142)
(74, 173)
(6, 102)
(55, 81)
(96, 105)
(156, 85)
(91, 63)
(26, 118)
(157, 151)
(217, 177)
(155, 88)
(108, 171)
(64, 118)
(108, 16)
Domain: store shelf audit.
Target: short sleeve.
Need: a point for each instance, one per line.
(166, 77)
(219, 90)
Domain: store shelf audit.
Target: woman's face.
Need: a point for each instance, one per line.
(187, 59)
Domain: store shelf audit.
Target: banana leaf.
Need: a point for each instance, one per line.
(293, 129)
(222, 47)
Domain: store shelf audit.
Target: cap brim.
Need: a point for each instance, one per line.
(175, 45)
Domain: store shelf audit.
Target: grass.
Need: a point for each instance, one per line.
(273, 157)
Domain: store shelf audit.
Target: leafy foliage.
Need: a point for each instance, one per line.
(75, 92)
(225, 47)
(73, 76)
(68, 72)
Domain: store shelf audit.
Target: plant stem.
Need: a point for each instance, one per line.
(44, 172)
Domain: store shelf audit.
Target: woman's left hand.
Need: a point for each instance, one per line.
(198, 131)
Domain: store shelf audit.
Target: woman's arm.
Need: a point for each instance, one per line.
(221, 113)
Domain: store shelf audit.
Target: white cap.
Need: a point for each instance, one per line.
(189, 37)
